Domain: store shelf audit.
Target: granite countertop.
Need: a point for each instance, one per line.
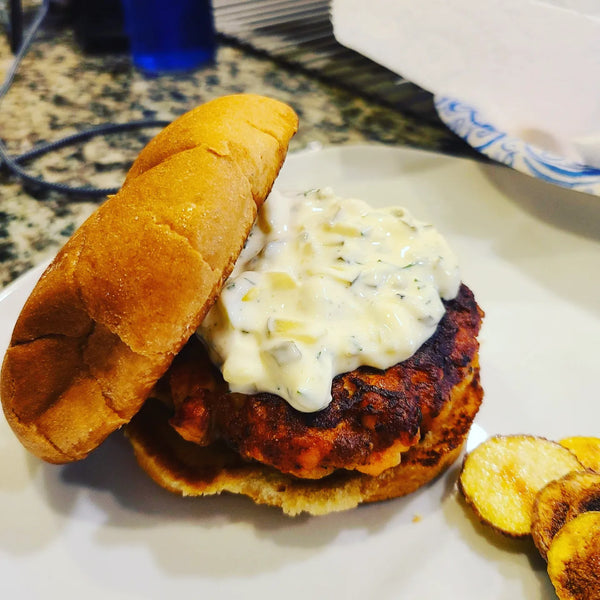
(60, 90)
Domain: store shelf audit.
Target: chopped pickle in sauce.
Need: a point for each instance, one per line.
(323, 286)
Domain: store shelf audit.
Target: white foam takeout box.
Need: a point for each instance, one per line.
(518, 79)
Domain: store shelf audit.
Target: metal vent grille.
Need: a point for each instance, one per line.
(299, 33)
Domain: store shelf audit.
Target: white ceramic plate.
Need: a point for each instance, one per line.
(101, 529)
(485, 137)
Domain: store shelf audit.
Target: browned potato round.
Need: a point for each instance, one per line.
(560, 501)
(574, 558)
(502, 476)
(587, 501)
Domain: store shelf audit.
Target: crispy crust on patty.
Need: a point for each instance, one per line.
(374, 415)
(188, 469)
(447, 412)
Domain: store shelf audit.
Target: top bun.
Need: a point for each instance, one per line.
(137, 278)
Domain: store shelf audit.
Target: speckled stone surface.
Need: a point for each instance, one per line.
(60, 90)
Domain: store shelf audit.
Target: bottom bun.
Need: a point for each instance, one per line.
(190, 470)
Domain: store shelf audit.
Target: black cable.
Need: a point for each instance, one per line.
(12, 162)
(24, 47)
(16, 25)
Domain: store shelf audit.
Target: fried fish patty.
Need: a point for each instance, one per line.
(375, 416)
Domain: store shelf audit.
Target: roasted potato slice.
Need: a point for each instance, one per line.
(560, 501)
(501, 477)
(586, 449)
(574, 558)
(587, 501)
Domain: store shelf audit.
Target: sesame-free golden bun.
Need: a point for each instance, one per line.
(133, 283)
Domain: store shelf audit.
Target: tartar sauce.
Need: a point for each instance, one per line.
(323, 286)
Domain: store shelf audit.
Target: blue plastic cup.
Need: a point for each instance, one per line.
(170, 35)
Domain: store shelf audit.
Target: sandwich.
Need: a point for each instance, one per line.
(119, 331)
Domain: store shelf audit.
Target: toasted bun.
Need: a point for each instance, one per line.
(135, 281)
(191, 470)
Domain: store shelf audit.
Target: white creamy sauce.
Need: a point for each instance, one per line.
(323, 286)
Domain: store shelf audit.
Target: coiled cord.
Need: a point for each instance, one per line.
(13, 163)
